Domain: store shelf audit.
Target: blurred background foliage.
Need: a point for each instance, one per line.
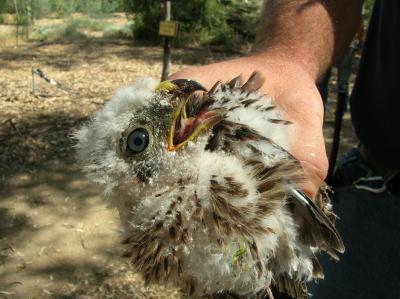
(219, 23)
(205, 22)
(59, 8)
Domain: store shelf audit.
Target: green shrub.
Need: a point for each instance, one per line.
(42, 8)
(243, 17)
(7, 6)
(123, 31)
(368, 5)
(226, 23)
(71, 30)
(8, 19)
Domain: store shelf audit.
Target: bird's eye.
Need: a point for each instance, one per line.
(138, 140)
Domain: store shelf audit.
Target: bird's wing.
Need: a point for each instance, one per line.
(285, 286)
(316, 228)
(278, 183)
(254, 130)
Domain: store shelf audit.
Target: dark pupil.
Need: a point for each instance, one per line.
(138, 140)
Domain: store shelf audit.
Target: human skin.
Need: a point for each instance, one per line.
(297, 41)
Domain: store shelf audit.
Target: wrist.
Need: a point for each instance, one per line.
(290, 62)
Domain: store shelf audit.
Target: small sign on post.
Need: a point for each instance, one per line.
(168, 28)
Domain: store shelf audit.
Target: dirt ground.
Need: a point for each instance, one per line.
(58, 239)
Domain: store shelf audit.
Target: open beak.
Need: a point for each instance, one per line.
(184, 127)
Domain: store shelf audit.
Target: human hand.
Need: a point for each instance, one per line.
(294, 91)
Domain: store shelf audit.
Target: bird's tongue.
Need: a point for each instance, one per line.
(188, 125)
(184, 129)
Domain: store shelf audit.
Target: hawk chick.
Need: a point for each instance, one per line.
(207, 194)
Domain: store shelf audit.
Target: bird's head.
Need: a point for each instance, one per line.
(147, 133)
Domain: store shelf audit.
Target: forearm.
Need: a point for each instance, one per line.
(311, 33)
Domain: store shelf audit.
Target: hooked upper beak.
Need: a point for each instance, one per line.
(184, 127)
(180, 87)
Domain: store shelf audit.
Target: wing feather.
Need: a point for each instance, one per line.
(317, 229)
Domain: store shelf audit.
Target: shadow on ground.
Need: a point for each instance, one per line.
(53, 224)
(58, 239)
(29, 141)
(96, 49)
